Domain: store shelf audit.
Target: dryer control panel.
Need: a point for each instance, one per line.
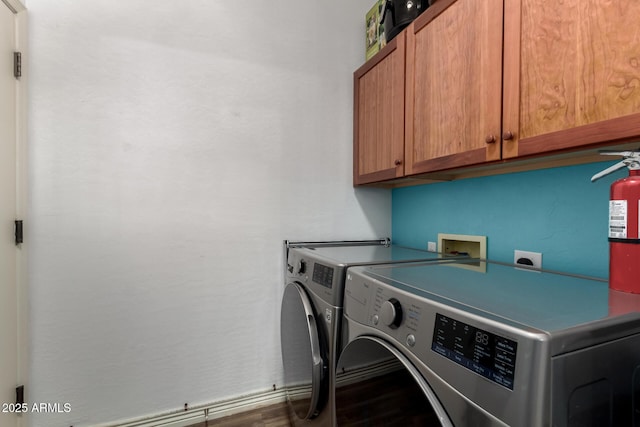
(321, 278)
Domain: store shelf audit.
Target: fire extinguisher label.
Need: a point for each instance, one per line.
(618, 219)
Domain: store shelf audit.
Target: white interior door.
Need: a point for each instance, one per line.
(8, 213)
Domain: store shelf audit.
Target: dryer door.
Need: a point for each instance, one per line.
(377, 385)
(303, 355)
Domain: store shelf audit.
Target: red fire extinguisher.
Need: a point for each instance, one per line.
(624, 224)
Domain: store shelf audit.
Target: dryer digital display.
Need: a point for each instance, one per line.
(322, 275)
(487, 354)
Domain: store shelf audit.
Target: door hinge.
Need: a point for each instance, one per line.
(20, 395)
(19, 235)
(17, 64)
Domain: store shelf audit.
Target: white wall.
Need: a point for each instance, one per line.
(173, 146)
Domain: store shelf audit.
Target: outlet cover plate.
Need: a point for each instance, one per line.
(432, 247)
(534, 257)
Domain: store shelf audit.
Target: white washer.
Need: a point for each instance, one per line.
(437, 344)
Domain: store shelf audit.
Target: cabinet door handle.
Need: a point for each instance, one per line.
(398, 162)
(507, 135)
(490, 139)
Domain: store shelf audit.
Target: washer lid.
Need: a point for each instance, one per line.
(303, 354)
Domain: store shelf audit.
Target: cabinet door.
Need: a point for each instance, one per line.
(572, 74)
(454, 85)
(378, 126)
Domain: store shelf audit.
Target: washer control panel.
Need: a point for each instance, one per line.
(430, 329)
(485, 353)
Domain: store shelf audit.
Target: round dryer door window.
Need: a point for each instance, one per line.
(302, 353)
(376, 385)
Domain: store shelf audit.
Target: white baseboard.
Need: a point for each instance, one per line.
(356, 374)
(206, 412)
(212, 411)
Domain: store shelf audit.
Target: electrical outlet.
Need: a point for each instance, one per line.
(527, 259)
(432, 247)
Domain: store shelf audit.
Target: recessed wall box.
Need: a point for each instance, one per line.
(459, 244)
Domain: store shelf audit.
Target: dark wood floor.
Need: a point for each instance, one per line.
(270, 416)
(387, 400)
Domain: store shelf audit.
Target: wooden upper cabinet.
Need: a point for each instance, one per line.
(471, 83)
(454, 85)
(379, 115)
(571, 74)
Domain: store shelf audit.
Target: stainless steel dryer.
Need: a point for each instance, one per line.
(443, 345)
(311, 315)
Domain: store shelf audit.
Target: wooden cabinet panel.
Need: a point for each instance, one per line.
(470, 84)
(379, 115)
(454, 85)
(569, 65)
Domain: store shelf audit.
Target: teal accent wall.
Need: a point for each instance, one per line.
(557, 211)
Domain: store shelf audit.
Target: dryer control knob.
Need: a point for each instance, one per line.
(391, 313)
(301, 267)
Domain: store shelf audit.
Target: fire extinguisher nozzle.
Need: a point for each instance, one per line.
(607, 171)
